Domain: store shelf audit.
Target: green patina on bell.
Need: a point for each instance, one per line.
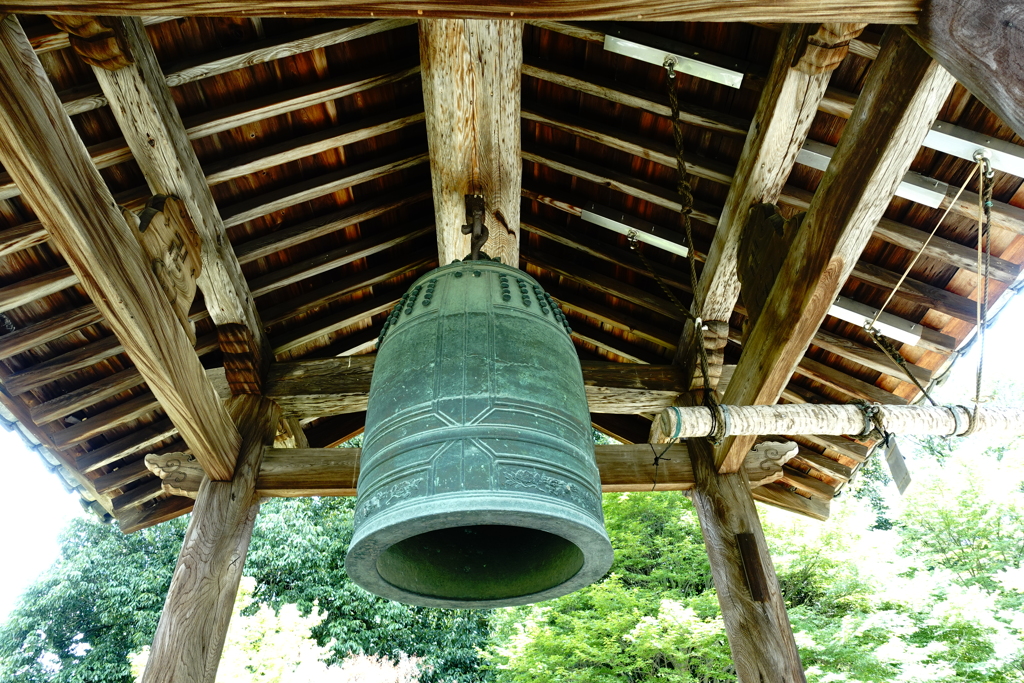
(477, 485)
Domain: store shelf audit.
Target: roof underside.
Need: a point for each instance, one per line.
(336, 125)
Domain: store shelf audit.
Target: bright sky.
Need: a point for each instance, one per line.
(37, 508)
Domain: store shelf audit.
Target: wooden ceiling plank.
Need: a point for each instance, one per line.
(350, 216)
(30, 234)
(42, 151)
(349, 315)
(947, 251)
(577, 303)
(902, 96)
(471, 93)
(322, 296)
(60, 366)
(857, 388)
(617, 345)
(36, 287)
(91, 394)
(867, 356)
(125, 446)
(267, 203)
(915, 291)
(788, 104)
(335, 258)
(112, 418)
(304, 146)
(784, 11)
(142, 104)
(319, 92)
(48, 330)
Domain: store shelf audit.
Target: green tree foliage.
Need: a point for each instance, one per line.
(102, 598)
(654, 617)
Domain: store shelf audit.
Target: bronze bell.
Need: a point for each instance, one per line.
(477, 485)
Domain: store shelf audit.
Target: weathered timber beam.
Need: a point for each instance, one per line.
(290, 473)
(333, 386)
(36, 287)
(142, 104)
(901, 97)
(785, 11)
(42, 151)
(979, 42)
(126, 446)
(192, 628)
(471, 91)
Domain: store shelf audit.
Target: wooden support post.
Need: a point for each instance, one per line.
(760, 636)
(472, 74)
(194, 623)
(902, 96)
(44, 154)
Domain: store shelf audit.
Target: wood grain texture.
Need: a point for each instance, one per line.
(36, 287)
(981, 43)
(48, 329)
(142, 104)
(472, 75)
(193, 625)
(760, 636)
(42, 151)
(334, 386)
(827, 46)
(96, 40)
(21, 237)
(805, 11)
(126, 446)
(788, 103)
(902, 96)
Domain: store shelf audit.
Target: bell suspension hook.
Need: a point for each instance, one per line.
(475, 225)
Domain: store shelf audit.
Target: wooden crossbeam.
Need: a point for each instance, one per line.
(334, 386)
(902, 96)
(788, 11)
(471, 91)
(42, 151)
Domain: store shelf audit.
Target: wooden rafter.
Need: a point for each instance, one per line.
(471, 91)
(788, 103)
(142, 104)
(901, 99)
(42, 151)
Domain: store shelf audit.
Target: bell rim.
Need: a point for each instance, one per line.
(387, 528)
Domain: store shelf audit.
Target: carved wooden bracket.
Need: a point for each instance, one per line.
(173, 246)
(95, 39)
(763, 464)
(181, 474)
(826, 47)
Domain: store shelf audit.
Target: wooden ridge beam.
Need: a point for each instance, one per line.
(471, 92)
(42, 151)
(142, 104)
(902, 96)
(335, 386)
(785, 11)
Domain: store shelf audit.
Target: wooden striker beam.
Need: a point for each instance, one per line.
(472, 72)
(190, 635)
(49, 162)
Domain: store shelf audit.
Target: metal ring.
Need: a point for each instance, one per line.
(678, 420)
(957, 420)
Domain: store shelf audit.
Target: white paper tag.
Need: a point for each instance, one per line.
(897, 465)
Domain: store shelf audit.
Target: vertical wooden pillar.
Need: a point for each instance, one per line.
(472, 72)
(760, 636)
(192, 628)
